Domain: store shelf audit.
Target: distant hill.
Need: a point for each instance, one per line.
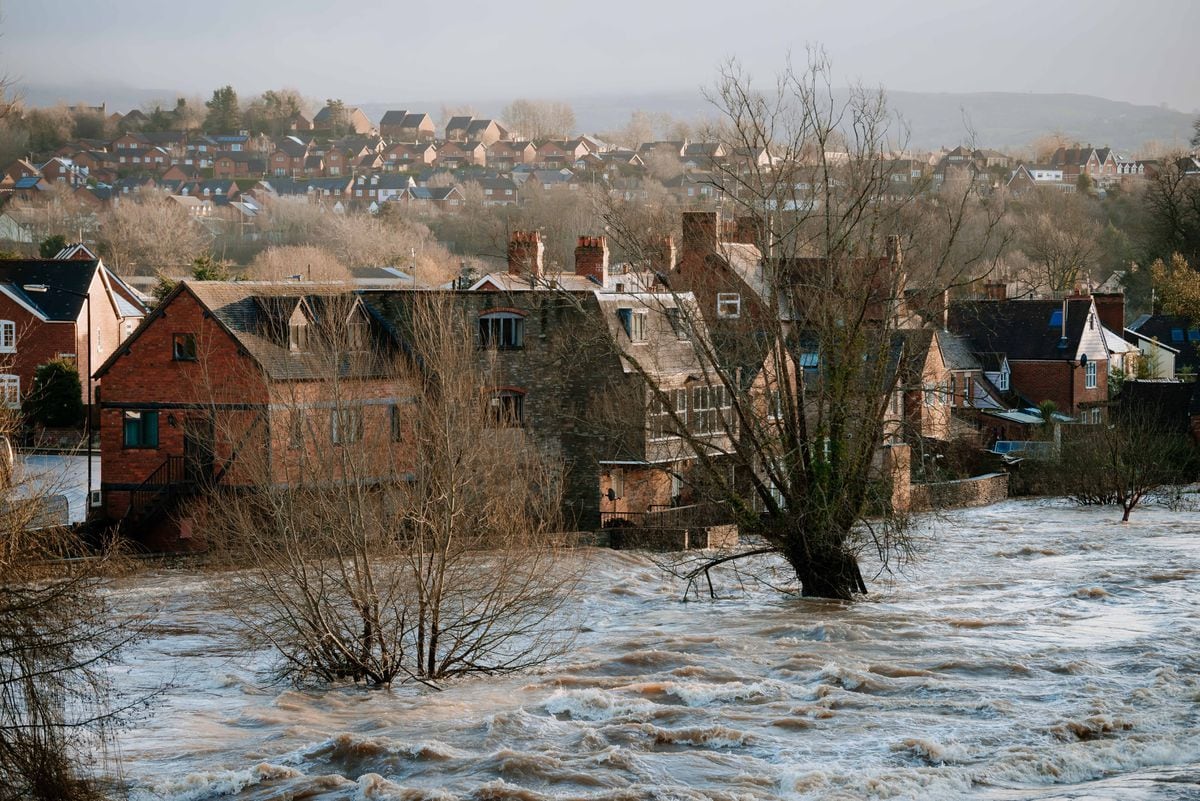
(999, 119)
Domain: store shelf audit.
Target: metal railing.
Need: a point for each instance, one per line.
(664, 516)
(166, 479)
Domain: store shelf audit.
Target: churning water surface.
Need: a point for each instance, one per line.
(1036, 651)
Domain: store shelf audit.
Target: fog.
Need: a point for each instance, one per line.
(380, 50)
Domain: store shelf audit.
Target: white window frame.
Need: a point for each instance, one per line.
(1090, 380)
(729, 305)
(1002, 383)
(10, 390)
(8, 336)
(637, 326)
(502, 330)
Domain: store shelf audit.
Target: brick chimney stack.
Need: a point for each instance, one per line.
(591, 258)
(1110, 308)
(995, 290)
(662, 255)
(525, 253)
(700, 236)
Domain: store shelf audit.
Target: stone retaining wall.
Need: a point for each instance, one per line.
(967, 492)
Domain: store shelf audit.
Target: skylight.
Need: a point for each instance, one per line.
(1056, 318)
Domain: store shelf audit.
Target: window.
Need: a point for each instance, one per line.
(8, 336)
(1176, 334)
(502, 330)
(183, 347)
(634, 323)
(729, 305)
(345, 425)
(661, 423)
(397, 423)
(506, 409)
(1002, 383)
(10, 390)
(1096, 414)
(1193, 335)
(141, 429)
(297, 336)
(296, 430)
(1090, 376)
(678, 324)
(710, 405)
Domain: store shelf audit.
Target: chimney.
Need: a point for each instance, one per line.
(662, 255)
(894, 254)
(525, 251)
(700, 235)
(748, 231)
(1110, 308)
(995, 290)
(591, 258)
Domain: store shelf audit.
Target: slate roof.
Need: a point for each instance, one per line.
(956, 352)
(1021, 329)
(393, 117)
(1175, 332)
(74, 275)
(251, 312)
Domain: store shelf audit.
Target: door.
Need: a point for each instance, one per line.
(198, 448)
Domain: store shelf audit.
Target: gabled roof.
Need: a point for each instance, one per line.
(250, 312)
(393, 117)
(1175, 332)
(75, 276)
(1022, 329)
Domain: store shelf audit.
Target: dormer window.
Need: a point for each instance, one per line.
(297, 335)
(1002, 382)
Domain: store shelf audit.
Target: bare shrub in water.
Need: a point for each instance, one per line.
(59, 637)
(406, 532)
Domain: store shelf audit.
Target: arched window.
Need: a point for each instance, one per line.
(8, 336)
(10, 390)
(501, 330)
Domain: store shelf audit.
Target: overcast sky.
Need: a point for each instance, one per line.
(380, 50)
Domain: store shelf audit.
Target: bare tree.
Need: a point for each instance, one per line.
(809, 360)
(150, 233)
(60, 636)
(1059, 234)
(392, 541)
(308, 261)
(1131, 458)
(540, 119)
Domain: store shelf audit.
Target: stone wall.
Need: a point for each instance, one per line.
(967, 492)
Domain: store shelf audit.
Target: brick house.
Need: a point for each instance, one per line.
(572, 363)
(224, 385)
(452, 155)
(289, 158)
(504, 155)
(44, 316)
(403, 126)
(1048, 349)
(355, 120)
(239, 165)
(404, 156)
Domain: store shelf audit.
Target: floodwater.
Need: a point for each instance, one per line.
(1038, 651)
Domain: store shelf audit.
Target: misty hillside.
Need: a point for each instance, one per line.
(1000, 119)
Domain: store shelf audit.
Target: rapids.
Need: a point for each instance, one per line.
(1036, 651)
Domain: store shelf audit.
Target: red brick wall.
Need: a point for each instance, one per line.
(1060, 382)
(148, 374)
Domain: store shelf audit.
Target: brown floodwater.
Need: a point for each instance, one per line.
(1036, 651)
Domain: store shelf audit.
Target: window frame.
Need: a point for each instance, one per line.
(501, 417)
(345, 418)
(501, 330)
(10, 382)
(725, 299)
(1090, 376)
(8, 336)
(143, 418)
(187, 338)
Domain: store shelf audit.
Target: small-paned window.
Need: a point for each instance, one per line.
(729, 305)
(502, 330)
